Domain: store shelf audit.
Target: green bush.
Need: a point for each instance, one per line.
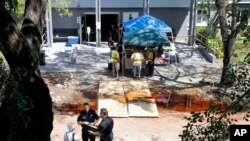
(239, 43)
(246, 34)
(214, 46)
(201, 33)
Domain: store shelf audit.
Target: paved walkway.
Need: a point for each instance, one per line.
(92, 62)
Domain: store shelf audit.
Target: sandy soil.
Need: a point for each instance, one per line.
(165, 128)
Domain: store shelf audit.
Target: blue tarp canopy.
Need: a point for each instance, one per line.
(146, 31)
(145, 37)
(146, 21)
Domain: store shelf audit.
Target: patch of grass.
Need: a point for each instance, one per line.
(239, 43)
(240, 53)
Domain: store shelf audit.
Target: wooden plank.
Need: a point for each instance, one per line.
(142, 107)
(137, 102)
(136, 89)
(110, 87)
(114, 107)
(111, 96)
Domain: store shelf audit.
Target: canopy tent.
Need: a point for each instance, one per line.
(144, 31)
(146, 21)
(145, 37)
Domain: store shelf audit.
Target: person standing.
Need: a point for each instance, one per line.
(150, 59)
(70, 135)
(105, 128)
(121, 30)
(115, 59)
(87, 116)
(113, 33)
(120, 50)
(137, 61)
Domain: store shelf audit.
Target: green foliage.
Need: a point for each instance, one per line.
(206, 126)
(206, 4)
(242, 18)
(18, 6)
(62, 6)
(246, 34)
(241, 49)
(19, 103)
(213, 123)
(215, 46)
(11, 90)
(20, 9)
(239, 44)
(201, 36)
(3, 77)
(213, 43)
(10, 5)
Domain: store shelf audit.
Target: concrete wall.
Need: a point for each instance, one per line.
(177, 18)
(129, 3)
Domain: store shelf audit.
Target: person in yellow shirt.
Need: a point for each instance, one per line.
(137, 61)
(150, 59)
(115, 59)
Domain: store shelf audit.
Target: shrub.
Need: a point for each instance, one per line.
(201, 33)
(246, 34)
(214, 46)
(239, 43)
(213, 124)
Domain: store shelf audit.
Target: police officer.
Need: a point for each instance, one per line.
(150, 59)
(105, 128)
(87, 116)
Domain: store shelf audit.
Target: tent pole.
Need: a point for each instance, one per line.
(123, 58)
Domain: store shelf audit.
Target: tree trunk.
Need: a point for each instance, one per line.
(26, 111)
(228, 39)
(228, 50)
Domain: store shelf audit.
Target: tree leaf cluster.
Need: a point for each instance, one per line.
(213, 124)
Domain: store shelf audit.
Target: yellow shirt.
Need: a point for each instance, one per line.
(150, 55)
(114, 56)
(137, 58)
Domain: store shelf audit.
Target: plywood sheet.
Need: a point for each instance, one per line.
(127, 98)
(108, 88)
(136, 89)
(115, 108)
(142, 107)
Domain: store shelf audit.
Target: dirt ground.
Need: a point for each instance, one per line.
(68, 94)
(165, 128)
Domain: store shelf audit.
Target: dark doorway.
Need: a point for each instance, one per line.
(90, 22)
(106, 21)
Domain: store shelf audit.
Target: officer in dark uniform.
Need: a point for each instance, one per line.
(105, 127)
(86, 117)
